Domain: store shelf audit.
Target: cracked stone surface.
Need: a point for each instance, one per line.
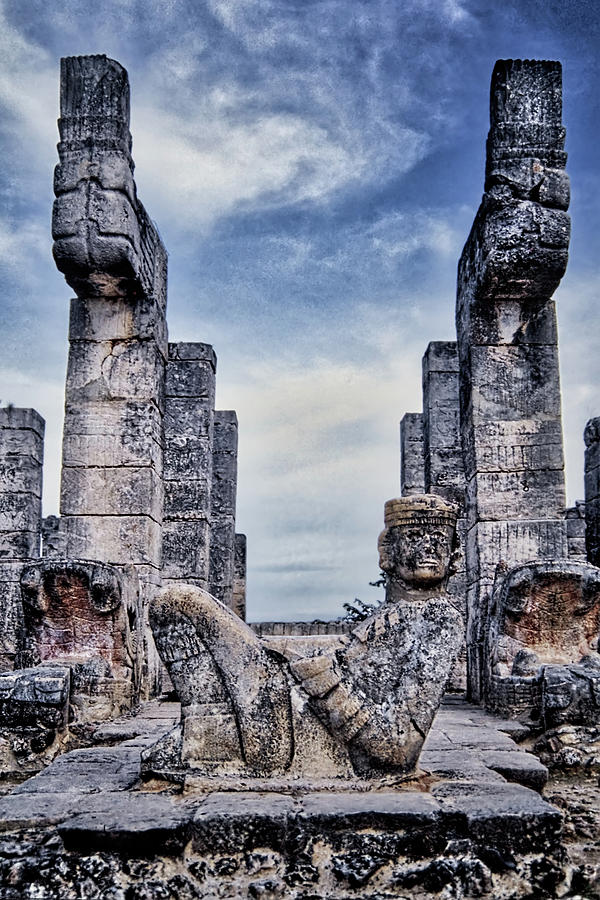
(472, 828)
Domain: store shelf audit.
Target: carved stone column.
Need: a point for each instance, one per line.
(512, 263)
(112, 256)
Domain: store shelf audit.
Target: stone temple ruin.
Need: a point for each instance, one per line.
(154, 744)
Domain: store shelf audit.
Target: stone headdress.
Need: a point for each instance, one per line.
(419, 508)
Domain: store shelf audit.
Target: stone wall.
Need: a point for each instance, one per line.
(265, 629)
(21, 460)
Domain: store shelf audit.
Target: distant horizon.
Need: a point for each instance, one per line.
(314, 171)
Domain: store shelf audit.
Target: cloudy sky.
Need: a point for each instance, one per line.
(313, 167)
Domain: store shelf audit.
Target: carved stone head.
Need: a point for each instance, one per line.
(417, 548)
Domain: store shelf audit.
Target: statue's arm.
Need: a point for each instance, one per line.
(382, 735)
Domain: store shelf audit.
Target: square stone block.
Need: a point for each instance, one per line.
(226, 431)
(188, 416)
(96, 319)
(187, 458)
(514, 382)
(513, 542)
(21, 473)
(113, 433)
(114, 539)
(20, 512)
(186, 548)
(19, 545)
(517, 495)
(187, 499)
(127, 491)
(191, 378)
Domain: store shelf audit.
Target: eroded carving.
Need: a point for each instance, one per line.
(542, 642)
(87, 616)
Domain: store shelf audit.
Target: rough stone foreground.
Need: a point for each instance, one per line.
(88, 827)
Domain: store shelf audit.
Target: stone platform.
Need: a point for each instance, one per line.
(473, 824)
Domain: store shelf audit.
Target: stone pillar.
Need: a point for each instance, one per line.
(443, 462)
(21, 460)
(575, 518)
(112, 256)
(223, 496)
(512, 263)
(239, 577)
(53, 538)
(591, 437)
(188, 462)
(442, 452)
(412, 478)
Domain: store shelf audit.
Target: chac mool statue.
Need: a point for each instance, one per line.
(355, 705)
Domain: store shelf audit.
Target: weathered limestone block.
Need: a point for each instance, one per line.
(90, 438)
(238, 600)
(118, 539)
(188, 461)
(345, 706)
(542, 642)
(21, 460)
(512, 262)
(34, 713)
(412, 463)
(87, 616)
(223, 506)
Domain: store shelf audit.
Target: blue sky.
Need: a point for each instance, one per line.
(314, 168)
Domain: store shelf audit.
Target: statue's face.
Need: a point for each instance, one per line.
(417, 554)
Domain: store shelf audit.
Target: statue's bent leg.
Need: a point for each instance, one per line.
(187, 616)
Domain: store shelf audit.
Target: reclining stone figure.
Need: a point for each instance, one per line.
(364, 702)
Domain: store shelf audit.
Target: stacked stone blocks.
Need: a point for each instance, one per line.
(21, 460)
(412, 463)
(188, 463)
(592, 490)
(223, 506)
